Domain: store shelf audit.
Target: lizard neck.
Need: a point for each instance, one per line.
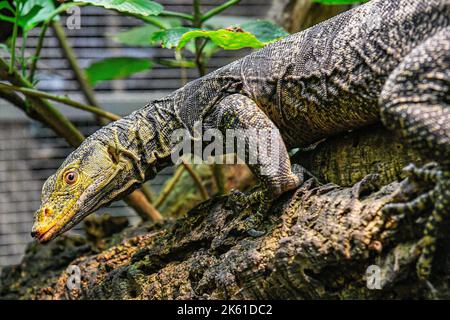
(147, 135)
(157, 122)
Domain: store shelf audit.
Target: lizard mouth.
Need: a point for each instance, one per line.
(59, 225)
(55, 229)
(46, 236)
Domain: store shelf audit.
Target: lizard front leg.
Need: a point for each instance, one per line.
(415, 101)
(239, 117)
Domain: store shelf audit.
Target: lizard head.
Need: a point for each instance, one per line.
(92, 176)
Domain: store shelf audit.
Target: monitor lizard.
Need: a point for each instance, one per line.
(385, 61)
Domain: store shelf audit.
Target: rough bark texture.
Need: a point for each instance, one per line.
(318, 243)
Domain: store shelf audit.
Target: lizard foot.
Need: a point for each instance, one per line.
(251, 224)
(367, 185)
(302, 173)
(437, 199)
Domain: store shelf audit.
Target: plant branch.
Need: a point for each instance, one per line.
(199, 58)
(197, 15)
(37, 54)
(40, 94)
(184, 16)
(169, 187)
(139, 202)
(197, 23)
(211, 13)
(47, 113)
(219, 177)
(22, 53)
(44, 29)
(152, 20)
(197, 180)
(80, 75)
(14, 99)
(17, 101)
(176, 63)
(14, 38)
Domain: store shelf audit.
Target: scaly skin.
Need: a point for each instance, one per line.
(385, 60)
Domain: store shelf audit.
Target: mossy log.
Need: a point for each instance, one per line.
(319, 242)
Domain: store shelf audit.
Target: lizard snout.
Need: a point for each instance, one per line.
(41, 228)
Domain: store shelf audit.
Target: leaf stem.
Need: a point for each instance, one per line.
(69, 54)
(37, 54)
(44, 28)
(46, 112)
(181, 15)
(14, 38)
(169, 187)
(197, 16)
(152, 20)
(197, 23)
(22, 53)
(197, 180)
(211, 13)
(175, 63)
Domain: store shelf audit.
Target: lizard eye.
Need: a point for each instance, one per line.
(71, 177)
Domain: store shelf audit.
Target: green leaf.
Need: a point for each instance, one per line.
(5, 5)
(265, 31)
(170, 38)
(141, 36)
(224, 38)
(7, 18)
(138, 36)
(254, 34)
(34, 12)
(139, 7)
(332, 2)
(116, 68)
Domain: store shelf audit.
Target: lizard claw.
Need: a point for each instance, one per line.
(437, 199)
(302, 173)
(251, 225)
(367, 185)
(299, 171)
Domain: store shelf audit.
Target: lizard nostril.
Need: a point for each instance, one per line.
(33, 234)
(48, 211)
